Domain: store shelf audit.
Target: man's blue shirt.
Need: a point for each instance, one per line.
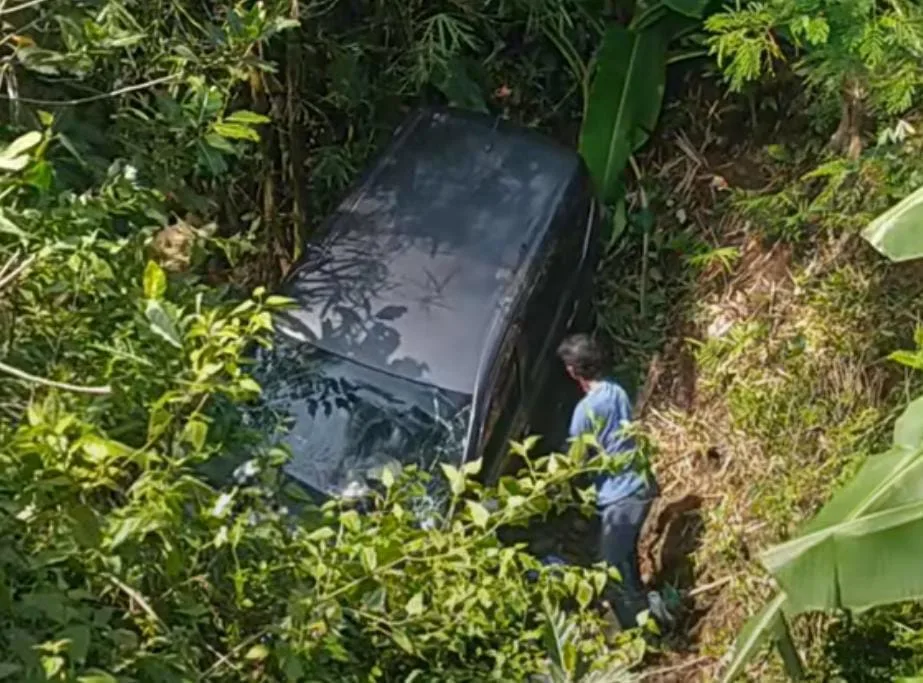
(606, 408)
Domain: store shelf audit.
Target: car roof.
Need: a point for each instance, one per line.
(421, 260)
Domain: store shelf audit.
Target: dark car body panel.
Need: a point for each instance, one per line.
(455, 264)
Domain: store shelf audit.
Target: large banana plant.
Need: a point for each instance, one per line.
(624, 87)
(862, 549)
(898, 233)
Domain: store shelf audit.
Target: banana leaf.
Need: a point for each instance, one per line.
(863, 547)
(624, 102)
(898, 232)
(908, 430)
(690, 8)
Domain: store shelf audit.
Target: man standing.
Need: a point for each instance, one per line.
(623, 498)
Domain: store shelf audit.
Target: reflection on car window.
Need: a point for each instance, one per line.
(345, 422)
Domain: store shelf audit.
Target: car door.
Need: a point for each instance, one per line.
(553, 305)
(504, 417)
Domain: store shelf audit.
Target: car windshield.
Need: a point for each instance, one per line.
(345, 422)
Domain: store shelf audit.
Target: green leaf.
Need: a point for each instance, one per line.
(21, 145)
(369, 558)
(473, 467)
(415, 605)
(14, 164)
(689, 8)
(898, 232)
(96, 676)
(10, 228)
(861, 549)
(247, 118)
(624, 104)
(40, 176)
(908, 430)
(753, 637)
(7, 669)
(257, 653)
(195, 433)
(321, 534)
(402, 641)
(155, 281)
(584, 594)
(455, 81)
(236, 131)
(162, 324)
(479, 514)
(86, 525)
(456, 478)
(209, 159)
(79, 637)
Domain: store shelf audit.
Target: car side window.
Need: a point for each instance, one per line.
(504, 401)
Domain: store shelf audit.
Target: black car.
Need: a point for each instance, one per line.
(429, 309)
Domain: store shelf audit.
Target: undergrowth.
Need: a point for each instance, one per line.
(765, 341)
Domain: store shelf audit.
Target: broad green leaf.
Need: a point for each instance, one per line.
(257, 653)
(7, 669)
(456, 83)
(689, 8)
(369, 558)
(40, 176)
(249, 118)
(584, 594)
(862, 562)
(10, 228)
(908, 430)
(79, 637)
(912, 359)
(155, 281)
(323, 533)
(162, 324)
(898, 232)
(415, 605)
(21, 145)
(96, 676)
(624, 104)
(402, 641)
(473, 467)
(86, 525)
(195, 433)
(754, 635)
(236, 131)
(456, 478)
(14, 164)
(558, 635)
(861, 549)
(479, 514)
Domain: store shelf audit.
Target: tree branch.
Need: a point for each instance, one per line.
(92, 98)
(26, 377)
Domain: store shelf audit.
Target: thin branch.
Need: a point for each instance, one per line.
(92, 98)
(16, 8)
(9, 263)
(26, 377)
(710, 586)
(139, 599)
(7, 279)
(225, 659)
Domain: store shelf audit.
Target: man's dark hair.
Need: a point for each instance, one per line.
(586, 355)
